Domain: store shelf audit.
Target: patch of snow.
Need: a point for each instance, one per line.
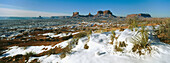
(15, 50)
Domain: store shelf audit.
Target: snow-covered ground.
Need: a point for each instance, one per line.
(101, 51)
(15, 50)
(59, 35)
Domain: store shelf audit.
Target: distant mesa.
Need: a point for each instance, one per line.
(76, 14)
(106, 13)
(90, 15)
(139, 15)
(59, 17)
(102, 14)
(40, 17)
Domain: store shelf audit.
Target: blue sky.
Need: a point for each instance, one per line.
(157, 8)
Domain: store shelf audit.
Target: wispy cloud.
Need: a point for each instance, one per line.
(27, 13)
(10, 6)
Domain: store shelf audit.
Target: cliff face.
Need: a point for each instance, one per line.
(106, 13)
(139, 15)
(90, 15)
(75, 14)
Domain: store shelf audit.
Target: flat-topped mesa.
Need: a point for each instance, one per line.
(99, 13)
(139, 15)
(75, 14)
(106, 13)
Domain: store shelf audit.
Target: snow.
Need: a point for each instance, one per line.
(14, 50)
(100, 51)
(59, 35)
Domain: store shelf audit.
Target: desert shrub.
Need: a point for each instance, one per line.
(88, 34)
(35, 61)
(112, 37)
(141, 42)
(67, 37)
(164, 31)
(15, 59)
(80, 35)
(28, 54)
(86, 46)
(111, 43)
(132, 23)
(68, 48)
(122, 44)
(55, 50)
(63, 55)
(121, 29)
(58, 50)
(118, 48)
(75, 41)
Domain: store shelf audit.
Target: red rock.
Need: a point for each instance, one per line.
(75, 14)
(138, 15)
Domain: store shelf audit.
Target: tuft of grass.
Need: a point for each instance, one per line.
(88, 34)
(118, 48)
(141, 42)
(122, 44)
(112, 36)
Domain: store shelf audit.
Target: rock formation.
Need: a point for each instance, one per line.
(39, 17)
(106, 13)
(90, 15)
(139, 15)
(75, 14)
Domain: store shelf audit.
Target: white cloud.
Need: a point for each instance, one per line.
(27, 13)
(10, 6)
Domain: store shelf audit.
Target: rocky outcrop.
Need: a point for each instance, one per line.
(139, 15)
(90, 15)
(39, 17)
(106, 13)
(75, 14)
